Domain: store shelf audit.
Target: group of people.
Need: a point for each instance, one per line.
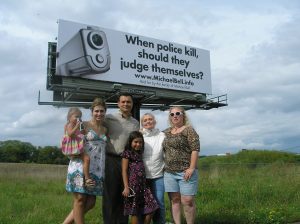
(131, 167)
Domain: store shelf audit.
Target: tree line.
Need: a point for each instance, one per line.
(14, 151)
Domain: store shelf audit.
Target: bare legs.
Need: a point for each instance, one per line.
(82, 204)
(189, 207)
(70, 218)
(148, 218)
(134, 219)
(176, 205)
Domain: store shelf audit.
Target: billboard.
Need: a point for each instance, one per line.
(96, 53)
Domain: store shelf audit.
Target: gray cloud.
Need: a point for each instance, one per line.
(254, 49)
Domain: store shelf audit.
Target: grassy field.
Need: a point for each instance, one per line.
(228, 193)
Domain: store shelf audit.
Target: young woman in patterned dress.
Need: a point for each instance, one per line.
(84, 197)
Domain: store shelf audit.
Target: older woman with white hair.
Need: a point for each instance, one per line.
(153, 158)
(181, 146)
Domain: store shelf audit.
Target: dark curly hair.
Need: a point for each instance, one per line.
(133, 135)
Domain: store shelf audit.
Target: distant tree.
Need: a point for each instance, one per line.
(17, 151)
(14, 151)
(51, 155)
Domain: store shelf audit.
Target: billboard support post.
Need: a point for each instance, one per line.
(136, 109)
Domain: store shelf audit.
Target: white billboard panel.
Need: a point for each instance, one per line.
(97, 53)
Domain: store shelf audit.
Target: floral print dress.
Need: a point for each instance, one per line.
(95, 147)
(143, 202)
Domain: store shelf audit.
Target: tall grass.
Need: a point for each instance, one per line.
(228, 193)
(32, 193)
(239, 194)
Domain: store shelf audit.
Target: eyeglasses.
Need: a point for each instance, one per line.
(176, 113)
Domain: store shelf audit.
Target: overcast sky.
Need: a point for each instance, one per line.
(255, 59)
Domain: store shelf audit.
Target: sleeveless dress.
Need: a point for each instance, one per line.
(95, 147)
(71, 146)
(143, 202)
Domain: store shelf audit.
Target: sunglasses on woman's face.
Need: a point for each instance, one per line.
(176, 113)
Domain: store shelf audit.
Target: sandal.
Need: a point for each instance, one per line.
(89, 182)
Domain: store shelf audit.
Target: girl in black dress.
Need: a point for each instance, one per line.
(139, 201)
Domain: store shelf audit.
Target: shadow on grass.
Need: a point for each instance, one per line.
(214, 218)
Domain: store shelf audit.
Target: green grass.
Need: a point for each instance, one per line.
(229, 192)
(239, 194)
(35, 193)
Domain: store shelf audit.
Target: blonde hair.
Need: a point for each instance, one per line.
(185, 118)
(73, 110)
(98, 102)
